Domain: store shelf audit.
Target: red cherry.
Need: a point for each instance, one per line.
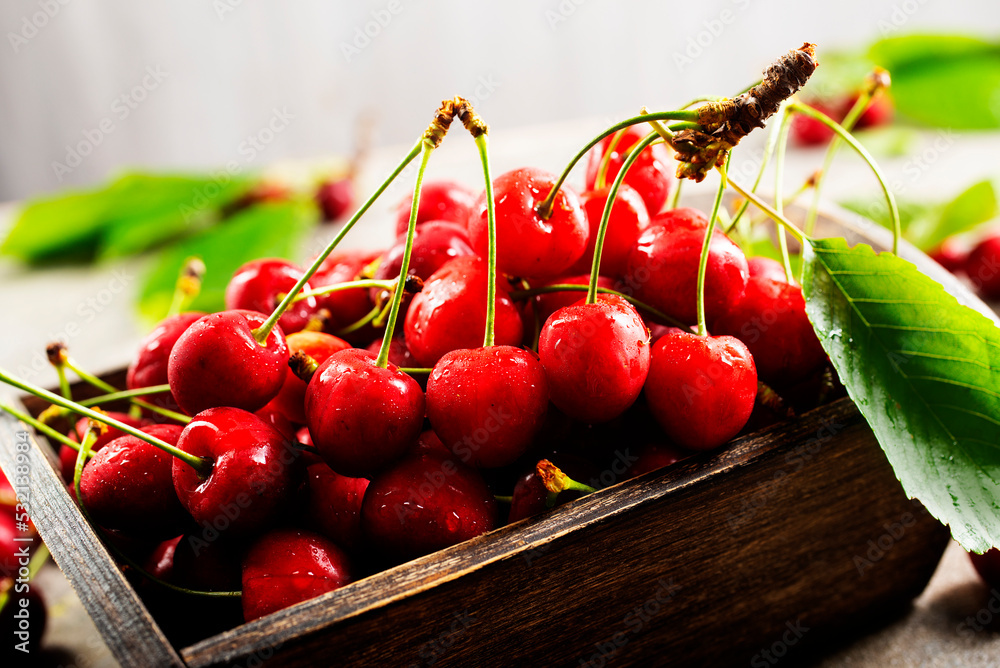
(596, 357)
(681, 217)
(425, 503)
(399, 354)
(431, 442)
(450, 312)
(128, 486)
(202, 561)
(217, 362)
(9, 546)
(771, 320)
(260, 285)
(983, 267)
(150, 365)
(290, 401)
(528, 246)
(987, 565)
(439, 200)
(628, 220)
(807, 131)
(335, 198)
(67, 455)
(766, 268)
(951, 254)
(487, 404)
(434, 243)
(701, 389)
(878, 112)
(288, 566)
(655, 456)
(362, 417)
(252, 476)
(345, 306)
(649, 174)
(550, 302)
(334, 504)
(663, 272)
(530, 495)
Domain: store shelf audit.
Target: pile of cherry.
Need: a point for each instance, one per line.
(307, 464)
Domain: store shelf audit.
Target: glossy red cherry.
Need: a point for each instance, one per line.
(681, 217)
(771, 320)
(425, 503)
(628, 220)
(288, 566)
(399, 354)
(951, 254)
(260, 285)
(290, 401)
(649, 174)
(663, 272)
(217, 362)
(439, 200)
(253, 474)
(128, 486)
(334, 504)
(362, 417)
(335, 197)
(149, 367)
(67, 455)
(550, 302)
(701, 389)
(487, 404)
(434, 243)
(527, 245)
(344, 306)
(983, 267)
(596, 357)
(450, 312)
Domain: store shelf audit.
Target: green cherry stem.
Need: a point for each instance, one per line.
(483, 143)
(770, 212)
(876, 81)
(100, 384)
(688, 116)
(518, 295)
(800, 108)
(426, 148)
(602, 230)
(769, 148)
(416, 371)
(703, 261)
(337, 287)
(602, 171)
(40, 426)
(84, 453)
(202, 466)
(262, 332)
(129, 394)
(188, 285)
(675, 196)
(779, 183)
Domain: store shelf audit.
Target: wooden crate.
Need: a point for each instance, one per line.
(783, 541)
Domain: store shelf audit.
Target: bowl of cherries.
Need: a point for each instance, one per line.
(547, 424)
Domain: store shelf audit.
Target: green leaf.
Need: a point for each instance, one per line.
(949, 81)
(265, 230)
(132, 213)
(924, 371)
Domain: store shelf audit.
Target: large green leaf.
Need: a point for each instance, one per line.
(265, 230)
(924, 370)
(133, 213)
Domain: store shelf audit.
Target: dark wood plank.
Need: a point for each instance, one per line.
(553, 590)
(130, 633)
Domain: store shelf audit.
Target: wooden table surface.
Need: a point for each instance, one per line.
(950, 624)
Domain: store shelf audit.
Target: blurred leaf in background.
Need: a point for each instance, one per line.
(927, 224)
(135, 212)
(270, 229)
